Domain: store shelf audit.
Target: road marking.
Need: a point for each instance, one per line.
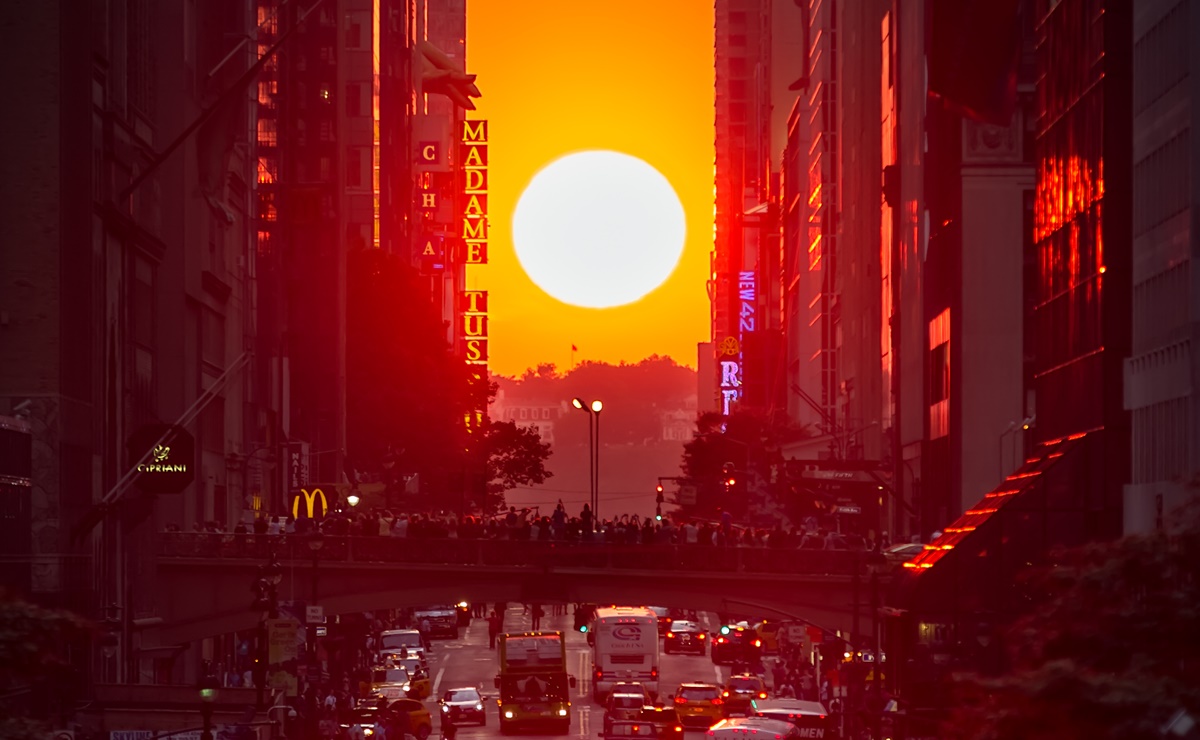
(584, 715)
(438, 681)
(717, 670)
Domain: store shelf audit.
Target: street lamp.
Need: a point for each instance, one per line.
(579, 404)
(208, 696)
(353, 500)
(597, 407)
(266, 601)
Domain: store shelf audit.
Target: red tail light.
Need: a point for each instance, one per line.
(599, 674)
(726, 694)
(654, 672)
(679, 730)
(700, 636)
(758, 643)
(680, 700)
(718, 701)
(762, 695)
(670, 634)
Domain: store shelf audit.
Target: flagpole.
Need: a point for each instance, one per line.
(572, 357)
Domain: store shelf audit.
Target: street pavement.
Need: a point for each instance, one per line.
(467, 661)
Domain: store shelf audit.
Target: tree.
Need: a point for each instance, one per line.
(1108, 647)
(34, 663)
(516, 457)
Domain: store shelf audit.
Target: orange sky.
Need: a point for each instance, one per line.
(559, 77)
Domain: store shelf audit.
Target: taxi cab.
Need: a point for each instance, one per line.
(419, 718)
(810, 716)
(629, 728)
(736, 644)
(664, 719)
(759, 728)
(699, 704)
(395, 683)
(740, 691)
(768, 633)
(418, 673)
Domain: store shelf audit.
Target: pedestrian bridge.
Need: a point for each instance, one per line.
(205, 580)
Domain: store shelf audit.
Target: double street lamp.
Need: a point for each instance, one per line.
(593, 411)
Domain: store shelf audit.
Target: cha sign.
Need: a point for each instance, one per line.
(164, 458)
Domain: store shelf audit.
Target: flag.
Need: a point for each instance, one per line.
(574, 348)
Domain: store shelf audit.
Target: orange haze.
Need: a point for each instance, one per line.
(559, 77)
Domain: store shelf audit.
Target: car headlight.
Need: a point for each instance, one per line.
(562, 713)
(406, 686)
(368, 730)
(479, 706)
(463, 605)
(445, 708)
(507, 714)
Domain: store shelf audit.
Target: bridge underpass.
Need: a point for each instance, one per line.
(205, 580)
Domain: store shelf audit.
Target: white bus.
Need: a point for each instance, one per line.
(624, 648)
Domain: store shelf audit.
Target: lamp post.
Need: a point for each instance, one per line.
(597, 407)
(579, 404)
(352, 499)
(266, 601)
(315, 542)
(208, 686)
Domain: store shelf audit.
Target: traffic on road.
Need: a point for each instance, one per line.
(587, 671)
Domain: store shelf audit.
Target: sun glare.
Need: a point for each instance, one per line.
(598, 229)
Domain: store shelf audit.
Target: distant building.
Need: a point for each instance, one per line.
(540, 416)
(1162, 371)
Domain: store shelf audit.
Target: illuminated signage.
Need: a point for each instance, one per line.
(729, 362)
(474, 158)
(473, 310)
(746, 295)
(433, 253)
(311, 500)
(164, 457)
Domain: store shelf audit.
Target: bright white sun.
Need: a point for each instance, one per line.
(598, 229)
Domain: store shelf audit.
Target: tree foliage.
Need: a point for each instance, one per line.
(1108, 647)
(34, 662)
(516, 457)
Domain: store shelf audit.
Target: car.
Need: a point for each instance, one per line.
(665, 719)
(625, 701)
(759, 728)
(740, 690)
(463, 704)
(629, 728)
(463, 608)
(393, 683)
(810, 716)
(902, 552)
(699, 704)
(768, 633)
(664, 617)
(736, 644)
(393, 641)
(443, 620)
(419, 718)
(685, 637)
(365, 721)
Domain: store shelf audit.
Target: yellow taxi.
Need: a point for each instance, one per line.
(396, 683)
(768, 633)
(740, 691)
(699, 704)
(419, 719)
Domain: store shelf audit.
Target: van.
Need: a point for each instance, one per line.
(759, 728)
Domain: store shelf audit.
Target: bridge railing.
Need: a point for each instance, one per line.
(514, 553)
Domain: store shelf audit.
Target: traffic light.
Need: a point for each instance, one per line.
(658, 495)
(725, 629)
(658, 513)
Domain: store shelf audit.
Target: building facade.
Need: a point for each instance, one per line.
(1161, 372)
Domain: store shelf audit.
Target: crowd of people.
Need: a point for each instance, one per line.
(529, 525)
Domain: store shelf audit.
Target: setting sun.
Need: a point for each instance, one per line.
(561, 80)
(598, 229)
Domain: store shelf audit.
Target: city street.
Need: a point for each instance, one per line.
(468, 662)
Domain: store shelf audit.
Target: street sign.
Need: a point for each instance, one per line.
(687, 495)
(314, 614)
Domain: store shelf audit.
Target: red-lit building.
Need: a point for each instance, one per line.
(741, 185)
